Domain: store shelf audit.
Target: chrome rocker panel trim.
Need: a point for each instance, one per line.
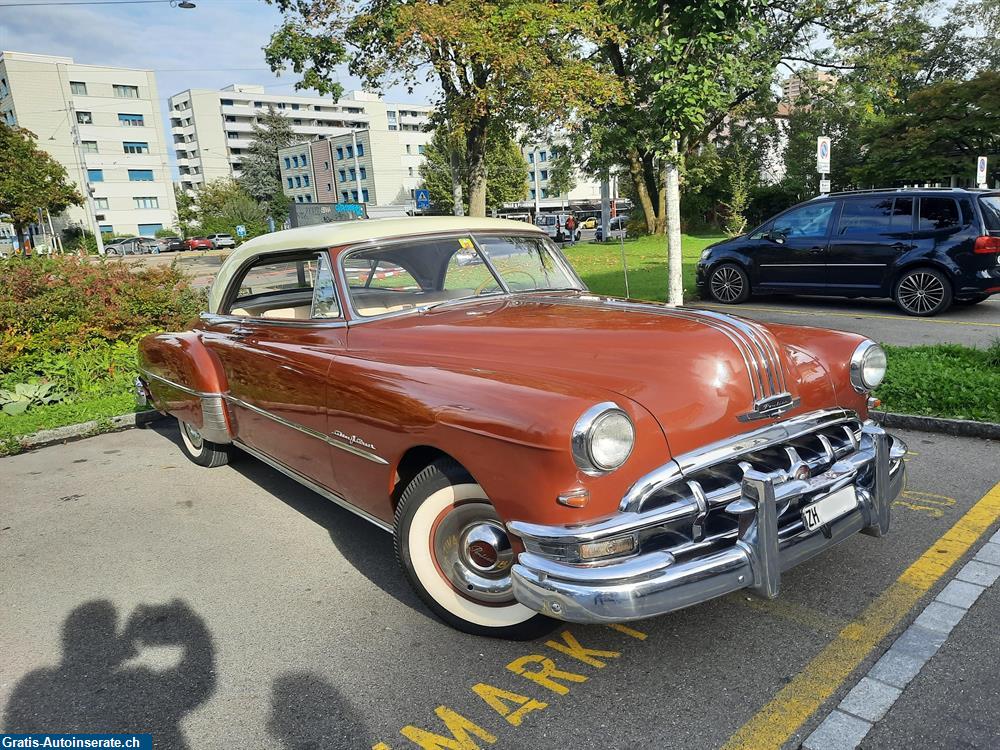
(654, 583)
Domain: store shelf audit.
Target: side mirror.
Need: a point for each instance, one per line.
(776, 236)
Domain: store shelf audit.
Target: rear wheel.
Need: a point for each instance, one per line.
(729, 284)
(455, 552)
(923, 292)
(202, 452)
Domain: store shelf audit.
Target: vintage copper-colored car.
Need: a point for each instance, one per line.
(538, 451)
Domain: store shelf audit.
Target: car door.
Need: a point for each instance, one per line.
(792, 254)
(279, 328)
(871, 233)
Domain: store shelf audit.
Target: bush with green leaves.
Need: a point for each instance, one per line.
(23, 396)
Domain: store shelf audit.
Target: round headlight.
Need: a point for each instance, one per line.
(602, 439)
(867, 367)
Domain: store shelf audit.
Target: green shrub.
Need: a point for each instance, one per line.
(25, 395)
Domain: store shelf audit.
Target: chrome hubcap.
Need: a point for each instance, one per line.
(921, 292)
(194, 437)
(473, 552)
(727, 284)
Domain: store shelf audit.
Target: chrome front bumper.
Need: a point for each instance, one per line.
(655, 582)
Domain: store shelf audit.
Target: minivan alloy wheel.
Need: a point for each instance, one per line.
(922, 293)
(728, 284)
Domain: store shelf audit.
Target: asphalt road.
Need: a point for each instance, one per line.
(971, 325)
(230, 607)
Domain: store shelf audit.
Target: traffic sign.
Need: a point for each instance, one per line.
(981, 171)
(823, 155)
(241, 231)
(423, 198)
(824, 187)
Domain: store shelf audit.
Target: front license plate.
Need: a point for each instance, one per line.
(830, 508)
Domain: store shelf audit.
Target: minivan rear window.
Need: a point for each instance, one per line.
(990, 205)
(937, 213)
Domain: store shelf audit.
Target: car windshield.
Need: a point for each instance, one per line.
(425, 272)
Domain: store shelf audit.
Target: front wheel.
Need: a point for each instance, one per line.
(729, 284)
(202, 452)
(455, 552)
(923, 292)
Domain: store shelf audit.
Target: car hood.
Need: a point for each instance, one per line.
(697, 372)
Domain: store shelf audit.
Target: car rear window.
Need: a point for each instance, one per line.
(990, 206)
(938, 213)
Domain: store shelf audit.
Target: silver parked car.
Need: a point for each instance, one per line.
(222, 240)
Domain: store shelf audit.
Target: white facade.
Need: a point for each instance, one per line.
(212, 129)
(122, 157)
(586, 190)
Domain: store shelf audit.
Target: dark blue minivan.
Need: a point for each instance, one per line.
(923, 247)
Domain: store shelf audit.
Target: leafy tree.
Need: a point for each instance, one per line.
(187, 210)
(562, 170)
(937, 134)
(30, 180)
(223, 205)
(505, 166)
(496, 64)
(260, 176)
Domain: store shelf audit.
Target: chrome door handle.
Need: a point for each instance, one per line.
(816, 250)
(241, 331)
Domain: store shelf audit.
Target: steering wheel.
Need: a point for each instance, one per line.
(493, 283)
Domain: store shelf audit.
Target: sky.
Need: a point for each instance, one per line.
(218, 43)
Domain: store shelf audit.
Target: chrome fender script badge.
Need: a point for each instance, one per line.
(353, 440)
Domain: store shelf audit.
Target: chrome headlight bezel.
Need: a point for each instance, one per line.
(860, 360)
(586, 427)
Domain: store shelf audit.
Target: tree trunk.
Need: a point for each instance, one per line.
(672, 204)
(475, 148)
(456, 180)
(19, 231)
(639, 183)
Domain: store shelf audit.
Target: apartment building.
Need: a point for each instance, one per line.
(211, 129)
(376, 167)
(585, 192)
(121, 157)
(804, 83)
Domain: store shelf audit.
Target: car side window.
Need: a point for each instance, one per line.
(761, 231)
(277, 288)
(466, 270)
(937, 213)
(869, 216)
(804, 222)
(324, 301)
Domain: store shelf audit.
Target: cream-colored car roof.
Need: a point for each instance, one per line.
(349, 232)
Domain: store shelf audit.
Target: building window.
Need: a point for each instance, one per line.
(391, 117)
(361, 149)
(4, 90)
(295, 106)
(542, 156)
(9, 118)
(149, 230)
(107, 229)
(364, 194)
(232, 135)
(420, 149)
(545, 192)
(344, 196)
(95, 175)
(140, 175)
(354, 175)
(350, 151)
(136, 147)
(545, 174)
(226, 102)
(364, 173)
(305, 180)
(532, 194)
(101, 203)
(354, 196)
(230, 118)
(329, 187)
(258, 104)
(132, 121)
(343, 175)
(298, 182)
(126, 92)
(78, 87)
(298, 198)
(236, 150)
(288, 163)
(290, 184)
(326, 166)
(340, 153)
(531, 157)
(295, 161)
(296, 122)
(84, 118)
(409, 171)
(408, 148)
(309, 198)
(304, 162)
(89, 147)
(151, 202)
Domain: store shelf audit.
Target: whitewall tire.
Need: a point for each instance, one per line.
(202, 452)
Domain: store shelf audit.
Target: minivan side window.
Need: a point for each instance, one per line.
(875, 216)
(937, 213)
(806, 221)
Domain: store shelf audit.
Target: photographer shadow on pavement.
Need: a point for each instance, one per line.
(308, 713)
(96, 689)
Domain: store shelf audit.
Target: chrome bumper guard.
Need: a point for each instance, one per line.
(655, 582)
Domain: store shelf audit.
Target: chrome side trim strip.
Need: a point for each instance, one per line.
(318, 489)
(213, 412)
(349, 448)
(178, 386)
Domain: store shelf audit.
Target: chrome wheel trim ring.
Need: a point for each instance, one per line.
(461, 537)
(192, 437)
(921, 292)
(727, 284)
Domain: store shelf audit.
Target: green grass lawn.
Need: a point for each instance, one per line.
(59, 415)
(600, 265)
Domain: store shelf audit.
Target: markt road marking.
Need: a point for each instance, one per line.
(776, 722)
(825, 313)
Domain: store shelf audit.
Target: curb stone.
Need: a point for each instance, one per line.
(45, 438)
(957, 427)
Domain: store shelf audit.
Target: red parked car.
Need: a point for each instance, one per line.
(198, 243)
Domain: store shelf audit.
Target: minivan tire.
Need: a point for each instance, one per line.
(923, 292)
(729, 284)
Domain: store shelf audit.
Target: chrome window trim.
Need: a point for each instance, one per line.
(329, 440)
(219, 319)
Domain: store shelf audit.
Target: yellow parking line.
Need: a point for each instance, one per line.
(776, 722)
(908, 319)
